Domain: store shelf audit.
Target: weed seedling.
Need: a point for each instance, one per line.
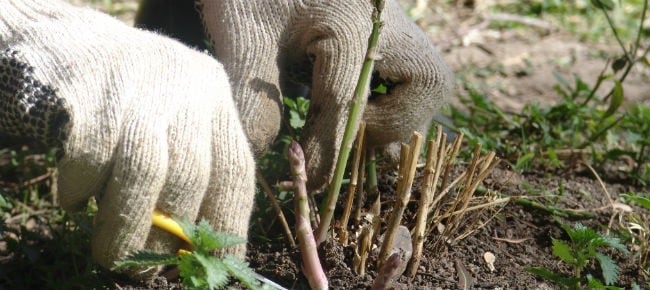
(578, 253)
(199, 269)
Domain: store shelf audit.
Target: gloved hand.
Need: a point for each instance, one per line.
(143, 121)
(262, 44)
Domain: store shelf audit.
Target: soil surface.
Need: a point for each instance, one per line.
(515, 67)
(518, 237)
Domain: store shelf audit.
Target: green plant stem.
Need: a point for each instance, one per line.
(370, 164)
(601, 132)
(554, 210)
(360, 92)
(631, 57)
(599, 82)
(372, 172)
(618, 38)
(637, 42)
(639, 160)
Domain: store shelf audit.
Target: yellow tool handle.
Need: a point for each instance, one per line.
(165, 222)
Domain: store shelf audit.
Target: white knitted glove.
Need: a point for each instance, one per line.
(143, 121)
(322, 44)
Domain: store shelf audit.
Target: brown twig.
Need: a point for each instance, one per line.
(367, 235)
(476, 172)
(361, 194)
(408, 164)
(431, 175)
(343, 234)
(276, 207)
(362, 250)
(451, 158)
(464, 196)
(601, 183)
(312, 268)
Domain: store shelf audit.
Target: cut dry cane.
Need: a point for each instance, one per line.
(343, 235)
(408, 164)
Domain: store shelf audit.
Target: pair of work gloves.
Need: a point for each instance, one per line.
(145, 122)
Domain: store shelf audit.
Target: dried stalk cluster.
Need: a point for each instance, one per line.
(436, 206)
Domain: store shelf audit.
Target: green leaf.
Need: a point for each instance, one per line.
(216, 274)
(638, 199)
(603, 4)
(303, 106)
(240, 270)
(208, 239)
(613, 243)
(192, 272)
(295, 120)
(3, 202)
(189, 229)
(146, 259)
(380, 89)
(524, 160)
(581, 235)
(609, 268)
(594, 283)
(563, 251)
(554, 277)
(289, 102)
(617, 99)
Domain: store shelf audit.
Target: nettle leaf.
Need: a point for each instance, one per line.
(188, 228)
(211, 240)
(240, 270)
(609, 268)
(580, 234)
(594, 283)
(216, 274)
(552, 276)
(563, 251)
(614, 243)
(146, 259)
(192, 272)
(206, 237)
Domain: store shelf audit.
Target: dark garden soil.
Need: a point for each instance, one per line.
(518, 236)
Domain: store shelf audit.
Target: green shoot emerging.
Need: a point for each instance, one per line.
(200, 269)
(581, 250)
